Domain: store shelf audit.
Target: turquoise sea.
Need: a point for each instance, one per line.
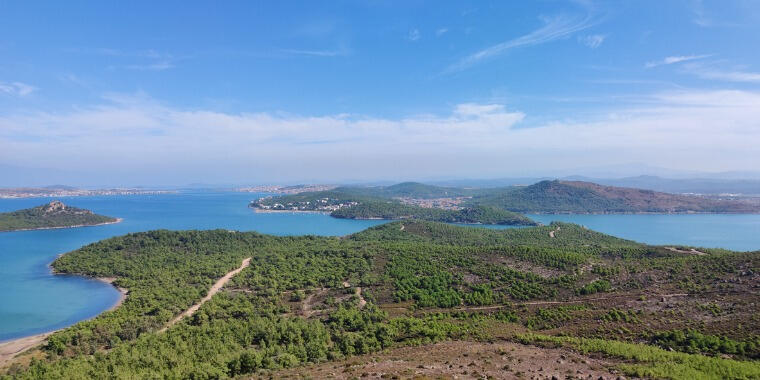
(33, 300)
(739, 232)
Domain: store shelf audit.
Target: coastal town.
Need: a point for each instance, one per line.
(319, 205)
(277, 189)
(442, 203)
(57, 192)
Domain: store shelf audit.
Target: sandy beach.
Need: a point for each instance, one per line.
(9, 349)
(122, 292)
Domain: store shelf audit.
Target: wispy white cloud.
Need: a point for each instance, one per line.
(725, 75)
(724, 14)
(593, 41)
(721, 70)
(135, 133)
(676, 59)
(441, 31)
(413, 35)
(155, 66)
(699, 15)
(554, 28)
(16, 89)
(151, 60)
(343, 51)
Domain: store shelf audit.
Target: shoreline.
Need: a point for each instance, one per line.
(9, 349)
(261, 211)
(12, 348)
(639, 213)
(118, 220)
(122, 293)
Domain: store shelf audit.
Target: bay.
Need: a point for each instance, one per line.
(33, 300)
(739, 232)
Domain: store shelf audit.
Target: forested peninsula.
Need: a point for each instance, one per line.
(382, 300)
(353, 204)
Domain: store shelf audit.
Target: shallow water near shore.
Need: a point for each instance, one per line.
(740, 232)
(33, 300)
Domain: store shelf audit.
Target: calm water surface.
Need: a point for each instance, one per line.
(32, 300)
(730, 231)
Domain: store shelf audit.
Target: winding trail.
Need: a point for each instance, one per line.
(692, 251)
(214, 289)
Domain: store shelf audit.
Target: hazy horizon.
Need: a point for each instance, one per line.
(157, 94)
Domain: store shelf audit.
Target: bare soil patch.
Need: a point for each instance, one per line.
(460, 360)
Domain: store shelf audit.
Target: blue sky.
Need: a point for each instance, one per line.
(176, 92)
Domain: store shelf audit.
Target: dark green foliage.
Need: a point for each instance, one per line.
(616, 315)
(550, 196)
(411, 190)
(594, 287)
(542, 197)
(692, 341)
(296, 303)
(51, 215)
(165, 273)
(358, 203)
(547, 318)
(585, 197)
(396, 210)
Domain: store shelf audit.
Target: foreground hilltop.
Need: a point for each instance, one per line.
(410, 299)
(52, 215)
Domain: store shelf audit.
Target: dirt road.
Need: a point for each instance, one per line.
(214, 289)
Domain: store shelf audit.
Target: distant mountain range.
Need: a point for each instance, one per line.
(586, 197)
(542, 197)
(748, 187)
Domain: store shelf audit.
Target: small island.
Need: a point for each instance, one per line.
(52, 215)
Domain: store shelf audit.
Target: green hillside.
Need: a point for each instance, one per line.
(395, 210)
(586, 197)
(542, 197)
(52, 215)
(310, 300)
(357, 203)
